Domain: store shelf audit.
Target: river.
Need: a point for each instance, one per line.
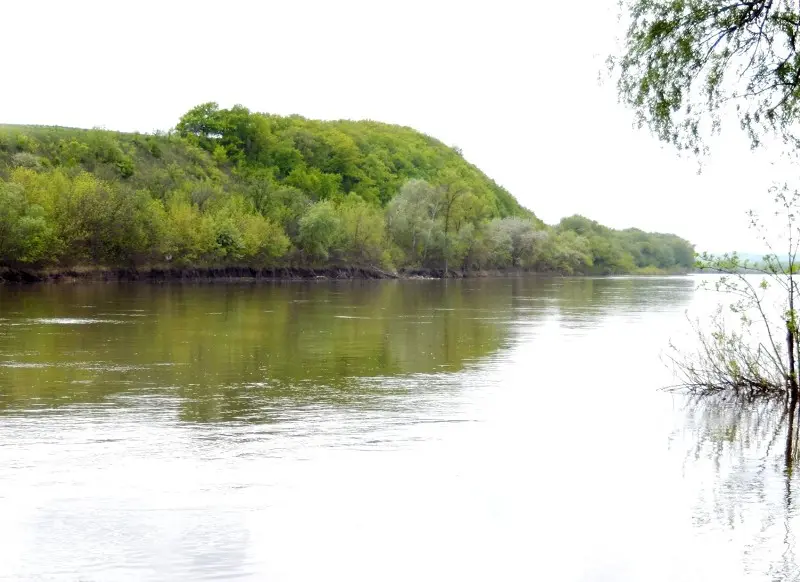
(486, 429)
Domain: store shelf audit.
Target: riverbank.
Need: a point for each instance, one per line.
(166, 274)
(163, 274)
(332, 193)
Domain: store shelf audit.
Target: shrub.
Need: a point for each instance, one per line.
(26, 160)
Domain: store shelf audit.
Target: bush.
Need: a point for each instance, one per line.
(125, 167)
(26, 160)
(25, 144)
(25, 234)
(363, 231)
(320, 231)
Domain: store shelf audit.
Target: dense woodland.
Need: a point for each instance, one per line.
(229, 187)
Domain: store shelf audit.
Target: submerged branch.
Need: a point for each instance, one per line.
(724, 362)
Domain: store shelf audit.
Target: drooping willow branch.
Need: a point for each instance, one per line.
(682, 60)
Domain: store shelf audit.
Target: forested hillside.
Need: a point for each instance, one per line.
(230, 187)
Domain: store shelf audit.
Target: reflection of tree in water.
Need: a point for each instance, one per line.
(584, 300)
(251, 351)
(753, 446)
(242, 351)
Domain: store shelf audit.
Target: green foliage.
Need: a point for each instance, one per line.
(26, 160)
(25, 236)
(233, 187)
(412, 220)
(514, 242)
(327, 160)
(753, 348)
(631, 250)
(320, 231)
(190, 237)
(363, 232)
(569, 253)
(684, 61)
(242, 235)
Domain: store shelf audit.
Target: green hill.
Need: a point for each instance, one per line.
(230, 187)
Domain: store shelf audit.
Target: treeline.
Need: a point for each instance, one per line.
(230, 187)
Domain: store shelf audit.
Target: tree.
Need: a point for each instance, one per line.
(754, 359)
(25, 235)
(464, 245)
(320, 231)
(411, 218)
(499, 244)
(363, 231)
(567, 252)
(203, 121)
(314, 182)
(241, 235)
(762, 358)
(189, 236)
(231, 185)
(684, 62)
(452, 189)
(606, 246)
(513, 242)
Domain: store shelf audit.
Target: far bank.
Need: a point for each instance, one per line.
(222, 274)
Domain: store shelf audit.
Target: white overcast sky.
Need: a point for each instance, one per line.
(514, 84)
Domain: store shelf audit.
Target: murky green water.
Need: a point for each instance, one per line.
(491, 429)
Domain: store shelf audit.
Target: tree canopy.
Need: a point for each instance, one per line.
(686, 63)
(231, 187)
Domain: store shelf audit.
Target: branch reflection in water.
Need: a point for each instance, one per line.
(752, 447)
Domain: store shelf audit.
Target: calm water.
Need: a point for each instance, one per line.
(395, 430)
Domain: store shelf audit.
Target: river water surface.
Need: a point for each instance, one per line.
(498, 429)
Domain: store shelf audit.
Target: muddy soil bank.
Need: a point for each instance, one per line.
(9, 275)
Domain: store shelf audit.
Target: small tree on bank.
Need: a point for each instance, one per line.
(762, 357)
(760, 362)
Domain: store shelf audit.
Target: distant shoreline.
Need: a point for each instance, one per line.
(232, 274)
(238, 188)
